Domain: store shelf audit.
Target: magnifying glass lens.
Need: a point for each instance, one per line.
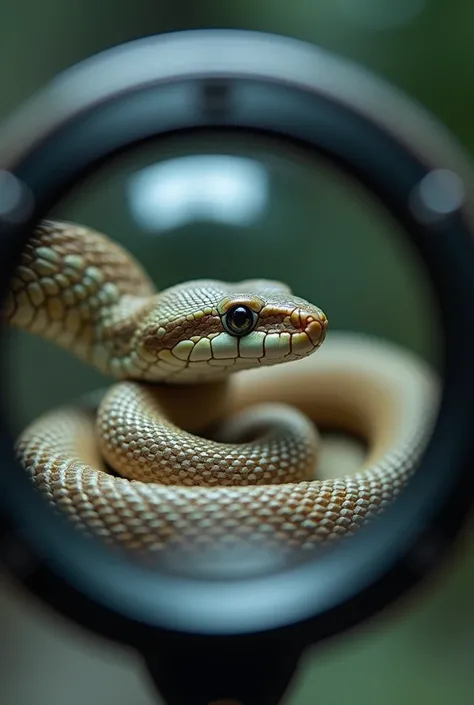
(250, 378)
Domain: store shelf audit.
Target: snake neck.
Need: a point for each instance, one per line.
(113, 346)
(76, 288)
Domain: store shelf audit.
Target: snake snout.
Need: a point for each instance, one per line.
(310, 325)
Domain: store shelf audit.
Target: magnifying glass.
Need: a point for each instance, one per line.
(224, 631)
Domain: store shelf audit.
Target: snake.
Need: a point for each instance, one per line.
(204, 437)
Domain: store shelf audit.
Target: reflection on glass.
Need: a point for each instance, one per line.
(221, 188)
(439, 193)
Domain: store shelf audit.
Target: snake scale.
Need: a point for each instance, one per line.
(180, 451)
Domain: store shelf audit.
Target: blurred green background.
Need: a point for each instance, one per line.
(308, 226)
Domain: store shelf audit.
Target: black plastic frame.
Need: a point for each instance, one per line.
(247, 81)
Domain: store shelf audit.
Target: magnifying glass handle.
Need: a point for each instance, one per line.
(253, 670)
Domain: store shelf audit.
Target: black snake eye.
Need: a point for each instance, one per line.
(239, 320)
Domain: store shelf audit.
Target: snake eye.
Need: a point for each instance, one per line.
(239, 320)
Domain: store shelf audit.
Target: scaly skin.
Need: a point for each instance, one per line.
(254, 480)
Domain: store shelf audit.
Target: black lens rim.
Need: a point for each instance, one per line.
(268, 84)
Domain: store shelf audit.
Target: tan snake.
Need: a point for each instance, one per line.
(206, 456)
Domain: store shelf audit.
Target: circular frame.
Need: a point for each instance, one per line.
(201, 80)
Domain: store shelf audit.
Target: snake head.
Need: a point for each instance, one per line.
(205, 330)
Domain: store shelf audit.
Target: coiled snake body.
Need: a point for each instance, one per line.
(201, 455)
